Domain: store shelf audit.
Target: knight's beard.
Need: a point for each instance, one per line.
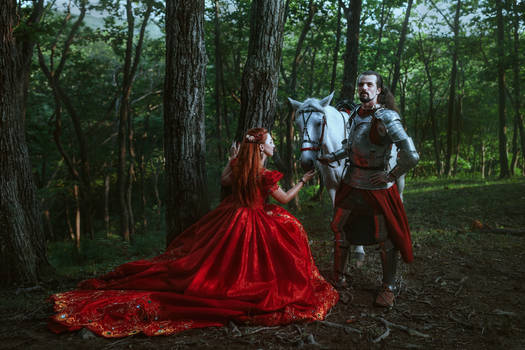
(365, 98)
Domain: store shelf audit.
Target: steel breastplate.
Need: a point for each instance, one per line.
(365, 157)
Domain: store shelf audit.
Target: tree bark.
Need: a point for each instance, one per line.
(22, 242)
(184, 136)
(260, 77)
(400, 47)
(219, 80)
(452, 92)
(352, 15)
(502, 127)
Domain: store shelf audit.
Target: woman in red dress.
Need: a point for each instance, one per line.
(246, 261)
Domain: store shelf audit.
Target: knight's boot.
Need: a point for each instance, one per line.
(389, 256)
(341, 247)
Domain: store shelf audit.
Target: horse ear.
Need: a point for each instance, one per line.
(295, 104)
(326, 101)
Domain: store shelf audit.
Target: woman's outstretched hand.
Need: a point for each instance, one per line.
(308, 175)
(234, 149)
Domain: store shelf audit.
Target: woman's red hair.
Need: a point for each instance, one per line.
(247, 167)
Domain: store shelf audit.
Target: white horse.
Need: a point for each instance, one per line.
(323, 128)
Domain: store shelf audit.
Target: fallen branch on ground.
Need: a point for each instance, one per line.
(340, 326)
(486, 228)
(409, 330)
(384, 335)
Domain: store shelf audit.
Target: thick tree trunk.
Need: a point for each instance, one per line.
(353, 16)
(184, 136)
(22, 242)
(400, 47)
(452, 92)
(260, 77)
(502, 127)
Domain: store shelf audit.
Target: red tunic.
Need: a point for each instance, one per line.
(248, 264)
(387, 202)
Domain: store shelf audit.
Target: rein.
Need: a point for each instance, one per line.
(306, 136)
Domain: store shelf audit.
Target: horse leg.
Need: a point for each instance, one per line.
(401, 185)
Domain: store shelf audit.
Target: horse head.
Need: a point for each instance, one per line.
(310, 118)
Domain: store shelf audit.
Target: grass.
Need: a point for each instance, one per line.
(437, 209)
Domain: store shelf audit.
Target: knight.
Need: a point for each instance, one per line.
(368, 207)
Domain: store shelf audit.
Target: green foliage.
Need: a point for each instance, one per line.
(103, 253)
(94, 66)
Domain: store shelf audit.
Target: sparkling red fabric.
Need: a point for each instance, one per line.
(248, 264)
(388, 202)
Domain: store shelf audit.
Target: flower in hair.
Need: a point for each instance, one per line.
(250, 138)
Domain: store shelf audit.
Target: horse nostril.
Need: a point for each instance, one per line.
(307, 164)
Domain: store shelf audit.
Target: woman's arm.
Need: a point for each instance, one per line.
(226, 175)
(285, 197)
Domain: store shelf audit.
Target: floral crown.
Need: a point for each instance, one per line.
(257, 138)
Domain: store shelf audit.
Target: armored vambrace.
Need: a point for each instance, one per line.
(407, 157)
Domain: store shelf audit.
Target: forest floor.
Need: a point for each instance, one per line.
(465, 289)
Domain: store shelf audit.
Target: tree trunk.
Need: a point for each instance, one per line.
(106, 202)
(124, 173)
(260, 77)
(336, 48)
(400, 47)
(502, 127)
(219, 88)
(22, 242)
(459, 114)
(516, 82)
(383, 19)
(452, 92)
(289, 159)
(52, 73)
(431, 112)
(184, 133)
(352, 15)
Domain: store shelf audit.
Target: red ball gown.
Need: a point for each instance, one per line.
(252, 265)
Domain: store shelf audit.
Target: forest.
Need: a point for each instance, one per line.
(117, 118)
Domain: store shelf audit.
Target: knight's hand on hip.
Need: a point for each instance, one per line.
(381, 178)
(326, 159)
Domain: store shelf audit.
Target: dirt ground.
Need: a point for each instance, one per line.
(465, 290)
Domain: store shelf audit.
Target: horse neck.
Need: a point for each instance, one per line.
(335, 129)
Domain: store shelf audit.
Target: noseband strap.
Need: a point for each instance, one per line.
(306, 136)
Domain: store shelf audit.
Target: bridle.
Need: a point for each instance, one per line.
(316, 145)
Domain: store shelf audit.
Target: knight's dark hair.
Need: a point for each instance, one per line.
(386, 97)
